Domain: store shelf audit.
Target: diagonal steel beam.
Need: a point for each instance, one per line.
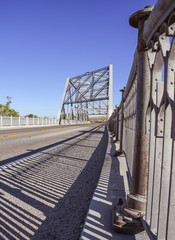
(80, 85)
(92, 84)
(101, 89)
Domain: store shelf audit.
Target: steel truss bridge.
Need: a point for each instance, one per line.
(87, 94)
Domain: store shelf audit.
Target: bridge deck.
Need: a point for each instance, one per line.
(47, 196)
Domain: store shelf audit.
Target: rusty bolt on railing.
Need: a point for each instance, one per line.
(127, 217)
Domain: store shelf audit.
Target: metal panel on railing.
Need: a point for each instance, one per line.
(128, 104)
(160, 201)
(129, 123)
(159, 35)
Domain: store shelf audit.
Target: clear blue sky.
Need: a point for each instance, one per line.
(42, 42)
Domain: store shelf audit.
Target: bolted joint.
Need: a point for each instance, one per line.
(119, 153)
(124, 223)
(132, 213)
(136, 202)
(135, 206)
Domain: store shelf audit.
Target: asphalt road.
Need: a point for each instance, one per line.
(47, 196)
(17, 143)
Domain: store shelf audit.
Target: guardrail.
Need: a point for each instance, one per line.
(26, 121)
(144, 122)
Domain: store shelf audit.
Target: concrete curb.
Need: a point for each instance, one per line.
(112, 185)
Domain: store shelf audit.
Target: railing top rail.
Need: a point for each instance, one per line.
(131, 79)
(132, 74)
(161, 11)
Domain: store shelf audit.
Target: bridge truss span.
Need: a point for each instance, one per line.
(87, 94)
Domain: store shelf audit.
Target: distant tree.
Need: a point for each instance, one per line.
(32, 116)
(13, 113)
(5, 110)
(98, 118)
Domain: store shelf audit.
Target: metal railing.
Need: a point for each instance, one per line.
(26, 121)
(147, 135)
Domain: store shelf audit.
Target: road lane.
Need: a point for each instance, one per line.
(13, 133)
(47, 197)
(33, 129)
(22, 142)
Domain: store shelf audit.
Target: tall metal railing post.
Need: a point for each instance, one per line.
(122, 118)
(136, 201)
(113, 130)
(120, 151)
(110, 123)
(117, 123)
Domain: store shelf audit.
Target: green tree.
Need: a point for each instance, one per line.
(5, 110)
(1, 108)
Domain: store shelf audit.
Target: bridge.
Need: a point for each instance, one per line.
(87, 94)
(114, 180)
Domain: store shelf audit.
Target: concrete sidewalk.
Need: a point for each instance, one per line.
(112, 185)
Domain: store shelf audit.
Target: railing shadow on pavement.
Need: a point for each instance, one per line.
(30, 151)
(47, 197)
(111, 189)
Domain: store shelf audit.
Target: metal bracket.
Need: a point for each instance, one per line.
(118, 153)
(124, 224)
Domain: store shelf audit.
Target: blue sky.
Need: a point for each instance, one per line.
(42, 42)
